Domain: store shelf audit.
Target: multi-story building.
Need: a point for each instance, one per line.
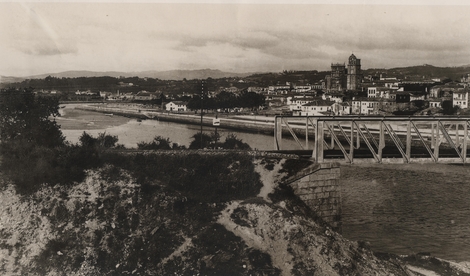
(295, 103)
(315, 108)
(372, 106)
(460, 98)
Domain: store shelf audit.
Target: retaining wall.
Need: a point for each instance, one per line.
(319, 187)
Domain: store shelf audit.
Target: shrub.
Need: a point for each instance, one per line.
(200, 177)
(103, 141)
(23, 116)
(232, 142)
(201, 140)
(157, 143)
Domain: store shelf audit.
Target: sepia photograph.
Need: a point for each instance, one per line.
(237, 137)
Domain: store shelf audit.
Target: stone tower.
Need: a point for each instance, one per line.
(354, 73)
(337, 81)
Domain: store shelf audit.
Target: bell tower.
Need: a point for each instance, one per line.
(354, 73)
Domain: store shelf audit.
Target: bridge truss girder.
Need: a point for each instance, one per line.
(401, 135)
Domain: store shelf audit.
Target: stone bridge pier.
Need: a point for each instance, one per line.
(319, 187)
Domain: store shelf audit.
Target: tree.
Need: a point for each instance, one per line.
(226, 100)
(158, 143)
(201, 140)
(25, 117)
(103, 141)
(32, 145)
(251, 100)
(232, 142)
(448, 108)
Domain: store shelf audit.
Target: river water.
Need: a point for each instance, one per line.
(401, 209)
(130, 132)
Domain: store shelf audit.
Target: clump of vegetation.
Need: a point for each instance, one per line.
(292, 166)
(204, 140)
(201, 177)
(33, 147)
(159, 143)
(35, 152)
(201, 140)
(232, 142)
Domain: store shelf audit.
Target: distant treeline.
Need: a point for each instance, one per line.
(136, 84)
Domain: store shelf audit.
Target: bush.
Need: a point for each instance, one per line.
(232, 142)
(201, 140)
(103, 141)
(200, 177)
(30, 165)
(157, 143)
(23, 116)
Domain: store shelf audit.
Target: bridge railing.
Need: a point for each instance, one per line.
(378, 139)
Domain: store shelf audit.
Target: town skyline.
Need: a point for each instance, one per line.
(41, 38)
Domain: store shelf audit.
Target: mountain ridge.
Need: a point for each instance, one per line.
(455, 72)
(165, 75)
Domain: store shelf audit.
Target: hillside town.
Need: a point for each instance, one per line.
(345, 90)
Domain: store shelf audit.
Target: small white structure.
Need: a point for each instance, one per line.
(435, 103)
(341, 108)
(460, 98)
(332, 96)
(315, 108)
(176, 106)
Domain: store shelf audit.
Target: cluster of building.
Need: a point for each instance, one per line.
(130, 96)
(346, 91)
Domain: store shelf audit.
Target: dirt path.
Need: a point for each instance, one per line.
(269, 178)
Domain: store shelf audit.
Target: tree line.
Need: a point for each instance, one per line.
(227, 100)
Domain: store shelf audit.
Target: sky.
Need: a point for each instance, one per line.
(238, 36)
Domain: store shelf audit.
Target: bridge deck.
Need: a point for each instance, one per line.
(379, 139)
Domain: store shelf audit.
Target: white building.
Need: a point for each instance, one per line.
(460, 98)
(315, 108)
(295, 103)
(332, 96)
(176, 106)
(435, 103)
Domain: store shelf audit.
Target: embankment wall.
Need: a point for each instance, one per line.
(244, 125)
(319, 187)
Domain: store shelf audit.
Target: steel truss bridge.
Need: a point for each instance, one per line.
(389, 139)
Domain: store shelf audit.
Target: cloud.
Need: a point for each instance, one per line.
(45, 49)
(237, 37)
(242, 39)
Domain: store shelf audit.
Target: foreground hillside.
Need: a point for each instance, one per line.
(117, 222)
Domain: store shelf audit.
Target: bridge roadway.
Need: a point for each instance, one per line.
(378, 139)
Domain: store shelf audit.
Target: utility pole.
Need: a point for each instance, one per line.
(202, 98)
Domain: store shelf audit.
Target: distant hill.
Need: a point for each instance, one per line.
(422, 71)
(9, 79)
(299, 77)
(163, 75)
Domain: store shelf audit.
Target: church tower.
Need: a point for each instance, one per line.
(354, 73)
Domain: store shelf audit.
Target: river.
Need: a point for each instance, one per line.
(74, 122)
(401, 209)
(408, 208)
